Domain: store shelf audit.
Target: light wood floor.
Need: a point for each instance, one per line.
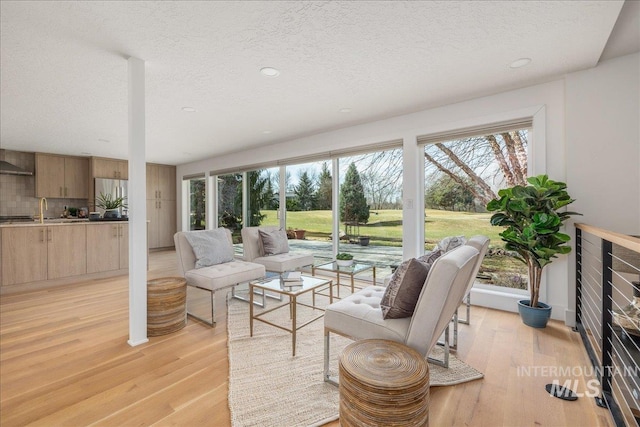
(64, 360)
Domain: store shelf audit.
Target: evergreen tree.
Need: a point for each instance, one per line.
(323, 195)
(258, 197)
(353, 204)
(197, 204)
(305, 193)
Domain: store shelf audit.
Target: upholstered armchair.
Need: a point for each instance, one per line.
(268, 246)
(206, 260)
(360, 315)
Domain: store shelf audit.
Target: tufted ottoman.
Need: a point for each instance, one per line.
(383, 383)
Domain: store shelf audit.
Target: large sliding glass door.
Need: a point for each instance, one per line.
(370, 210)
(309, 214)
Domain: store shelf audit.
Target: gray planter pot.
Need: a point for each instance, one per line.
(536, 317)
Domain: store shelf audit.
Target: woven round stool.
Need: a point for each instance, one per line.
(166, 305)
(383, 383)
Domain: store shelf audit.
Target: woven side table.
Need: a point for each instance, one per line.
(383, 383)
(166, 305)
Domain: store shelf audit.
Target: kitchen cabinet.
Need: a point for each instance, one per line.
(62, 176)
(24, 254)
(109, 168)
(107, 247)
(66, 249)
(35, 253)
(161, 182)
(161, 205)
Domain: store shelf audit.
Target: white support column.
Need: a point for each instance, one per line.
(412, 241)
(137, 201)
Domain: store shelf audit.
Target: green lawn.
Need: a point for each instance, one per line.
(385, 226)
(385, 229)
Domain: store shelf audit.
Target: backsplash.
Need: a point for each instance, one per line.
(17, 193)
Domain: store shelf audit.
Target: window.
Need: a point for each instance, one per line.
(463, 171)
(262, 200)
(197, 200)
(309, 214)
(370, 208)
(230, 203)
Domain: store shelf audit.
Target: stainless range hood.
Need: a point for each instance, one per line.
(7, 168)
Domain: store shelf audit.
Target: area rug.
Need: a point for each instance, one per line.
(270, 387)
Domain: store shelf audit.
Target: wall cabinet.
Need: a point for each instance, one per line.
(109, 168)
(61, 176)
(161, 205)
(107, 247)
(39, 253)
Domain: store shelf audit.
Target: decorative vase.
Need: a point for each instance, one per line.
(344, 262)
(536, 317)
(112, 213)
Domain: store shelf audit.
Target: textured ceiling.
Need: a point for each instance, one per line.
(63, 66)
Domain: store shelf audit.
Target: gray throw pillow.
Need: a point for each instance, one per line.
(274, 242)
(450, 243)
(210, 247)
(431, 256)
(401, 296)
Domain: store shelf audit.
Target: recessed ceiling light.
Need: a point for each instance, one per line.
(269, 72)
(519, 63)
(266, 132)
(344, 110)
(188, 109)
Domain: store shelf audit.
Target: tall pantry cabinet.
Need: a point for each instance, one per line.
(161, 205)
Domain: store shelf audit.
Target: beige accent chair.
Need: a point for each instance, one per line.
(214, 277)
(359, 316)
(280, 263)
(481, 243)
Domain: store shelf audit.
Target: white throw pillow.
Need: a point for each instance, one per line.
(210, 247)
(450, 243)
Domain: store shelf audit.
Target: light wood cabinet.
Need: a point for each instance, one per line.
(110, 168)
(107, 247)
(37, 253)
(62, 176)
(161, 205)
(67, 255)
(24, 251)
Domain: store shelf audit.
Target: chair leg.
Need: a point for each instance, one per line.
(211, 322)
(467, 321)
(327, 378)
(445, 360)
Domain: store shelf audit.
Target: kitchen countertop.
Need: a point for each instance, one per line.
(57, 222)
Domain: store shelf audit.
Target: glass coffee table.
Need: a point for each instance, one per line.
(293, 290)
(351, 271)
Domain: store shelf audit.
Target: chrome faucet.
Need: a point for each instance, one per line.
(41, 210)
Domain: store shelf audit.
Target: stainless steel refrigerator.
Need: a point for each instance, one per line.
(115, 187)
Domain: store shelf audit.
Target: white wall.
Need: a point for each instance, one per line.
(603, 147)
(549, 158)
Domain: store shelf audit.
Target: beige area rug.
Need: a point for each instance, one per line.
(269, 387)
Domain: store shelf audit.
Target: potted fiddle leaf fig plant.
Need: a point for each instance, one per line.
(533, 216)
